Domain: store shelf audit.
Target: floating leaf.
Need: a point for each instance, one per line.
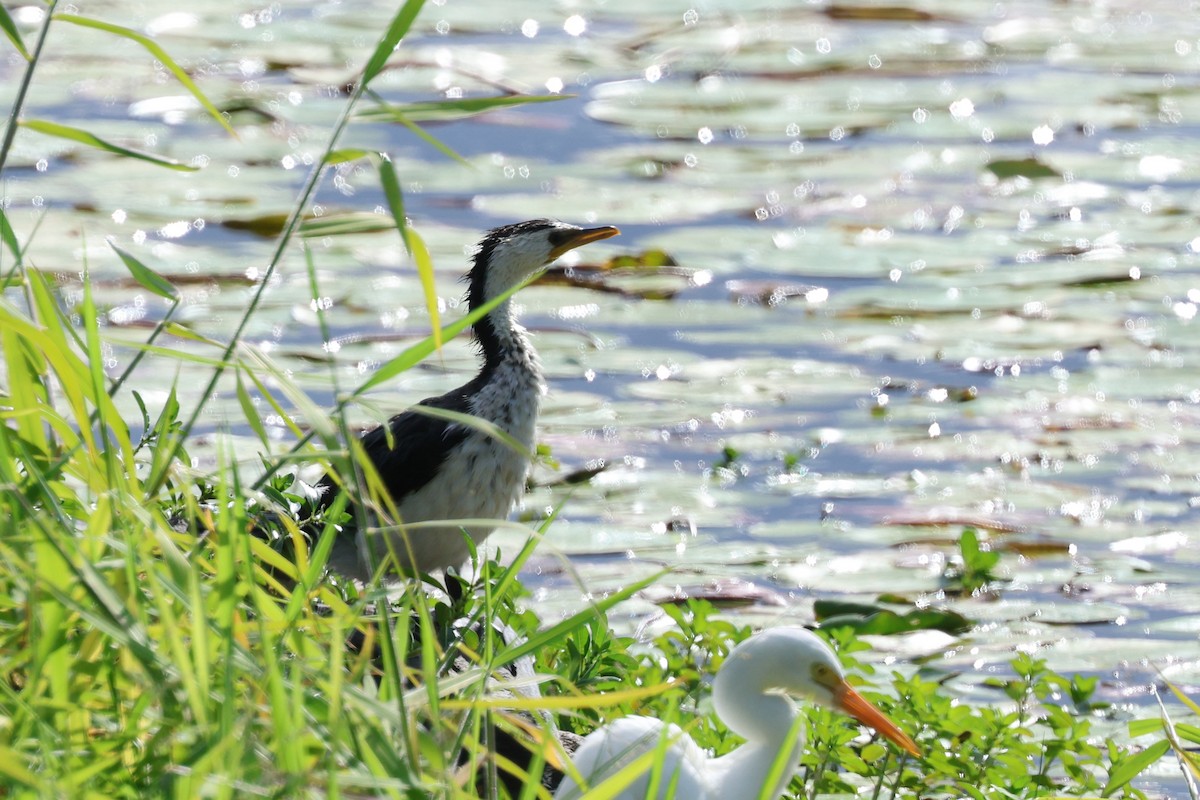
(337, 224)
(1024, 168)
(773, 293)
(879, 13)
(601, 277)
(265, 225)
(871, 619)
(730, 593)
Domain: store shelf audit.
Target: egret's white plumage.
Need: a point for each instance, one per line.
(753, 694)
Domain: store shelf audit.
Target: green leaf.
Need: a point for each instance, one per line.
(344, 224)
(432, 141)
(412, 242)
(444, 110)
(250, 412)
(1183, 698)
(147, 278)
(1189, 732)
(14, 36)
(346, 155)
(1142, 727)
(1128, 769)
(542, 638)
(91, 140)
(391, 39)
(9, 237)
(12, 762)
(160, 54)
(414, 354)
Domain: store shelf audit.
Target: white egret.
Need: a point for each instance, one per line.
(752, 694)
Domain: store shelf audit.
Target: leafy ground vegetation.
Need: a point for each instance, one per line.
(142, 657)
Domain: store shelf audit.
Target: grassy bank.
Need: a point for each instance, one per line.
(143, 656)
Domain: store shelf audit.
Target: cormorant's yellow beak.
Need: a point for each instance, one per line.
(573, 239)
(848, 701)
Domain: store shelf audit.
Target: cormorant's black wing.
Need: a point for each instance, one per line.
(420, 444)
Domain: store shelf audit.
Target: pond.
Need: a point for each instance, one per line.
(938, 266)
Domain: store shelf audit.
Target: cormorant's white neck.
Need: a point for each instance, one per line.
(499, 267)
(501, 337)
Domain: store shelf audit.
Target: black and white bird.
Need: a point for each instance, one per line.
(437, 469)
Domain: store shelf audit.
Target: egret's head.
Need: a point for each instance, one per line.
(792, 661)
(797, 662)
(510, 254)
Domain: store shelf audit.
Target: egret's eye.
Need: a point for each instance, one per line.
(822, 674)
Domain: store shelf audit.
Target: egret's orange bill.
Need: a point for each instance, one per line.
(851, 702)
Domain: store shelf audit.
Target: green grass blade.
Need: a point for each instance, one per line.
(9, 238)
(253, 419)
(91, 140)
(14, 36)
(412, 242)
(1183, 698)
(543, 638)
(443, 110)
(429, 139)
(160, 54)
(147, 278)
(422, 349)
(18, 104)
(344, 224)
(400, 25)
(346, 155)
(11, 768)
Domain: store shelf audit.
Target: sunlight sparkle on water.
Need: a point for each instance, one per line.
(1043, 135)
(575, 25)
(962, 108)
(173, 230)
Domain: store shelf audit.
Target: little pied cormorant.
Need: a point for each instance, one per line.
(435, 469)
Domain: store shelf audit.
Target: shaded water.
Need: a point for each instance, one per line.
(1000, 198)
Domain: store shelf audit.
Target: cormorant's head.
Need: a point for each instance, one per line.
(511, 253)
